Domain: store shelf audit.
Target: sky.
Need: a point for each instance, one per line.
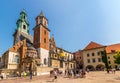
(74, 23)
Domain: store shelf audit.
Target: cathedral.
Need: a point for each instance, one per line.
(35, 52)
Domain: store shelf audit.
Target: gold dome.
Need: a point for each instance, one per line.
(62, 54)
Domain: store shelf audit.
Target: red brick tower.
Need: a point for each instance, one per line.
(41, 38)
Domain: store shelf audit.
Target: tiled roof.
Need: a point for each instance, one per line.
(113, 48)
(92, 45)
(78, 53)
(27, 37)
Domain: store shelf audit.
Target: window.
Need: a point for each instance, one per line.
(24, 16)
(80, 57)
(88, 60)
(16, 59)
(55, 55)
(108, 57)
(113, 56)
(71, 65)
(93, 60)
(110, 66)
(109, 62)
(88, 55)
(45, 23)
(113, 51)
(93, 54)
(45, 32)
(98, 53)
(44, 40)
(99, 59)
(45, 62)
(24, 27)
(41, 21)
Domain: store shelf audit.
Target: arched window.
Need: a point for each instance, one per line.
(24, 16)
(45, 61)
(45, 23)
(16, 59)
(24, 27)
(41, 21)
(45, 32)
(44, 40)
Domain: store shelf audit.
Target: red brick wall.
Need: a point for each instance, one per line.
(39, 37)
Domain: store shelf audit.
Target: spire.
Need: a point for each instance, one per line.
(41, 13)
(23, 11)
(52, 35)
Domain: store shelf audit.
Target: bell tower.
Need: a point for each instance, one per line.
(22, 27)
(22, 23)
(41, 38)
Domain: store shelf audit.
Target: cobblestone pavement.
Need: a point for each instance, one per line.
(92, 77)
(24, 79)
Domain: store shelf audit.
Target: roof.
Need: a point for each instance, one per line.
(21, 36)
(64, 50)
(79, 52)
(41, 13)
(23, 11)
(113, 48)
(93, 45)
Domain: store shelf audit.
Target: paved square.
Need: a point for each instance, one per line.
(92, 77)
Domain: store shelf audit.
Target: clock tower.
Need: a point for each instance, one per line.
(41, 38)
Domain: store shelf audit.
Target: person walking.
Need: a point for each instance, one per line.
(31, 75)
(55, 75)
(113, 70)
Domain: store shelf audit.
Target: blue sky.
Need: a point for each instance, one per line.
(74, 23)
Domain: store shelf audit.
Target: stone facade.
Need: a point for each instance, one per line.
(79, 59)
(12, 59)
(66, 61)
(111, 50)
(92, 59)
(91, 56)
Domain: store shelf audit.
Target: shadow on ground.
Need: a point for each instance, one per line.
(49, 81)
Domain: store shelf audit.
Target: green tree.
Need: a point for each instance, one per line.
(117, 57)
(105, 59)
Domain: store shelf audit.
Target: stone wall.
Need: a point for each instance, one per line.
(46, 70)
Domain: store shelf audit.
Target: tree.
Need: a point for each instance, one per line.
(117, 57)
(104, 59)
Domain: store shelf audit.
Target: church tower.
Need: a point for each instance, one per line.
(22, 31)
(22, 23)
(41, 38)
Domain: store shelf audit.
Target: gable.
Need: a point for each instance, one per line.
(92, 45)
